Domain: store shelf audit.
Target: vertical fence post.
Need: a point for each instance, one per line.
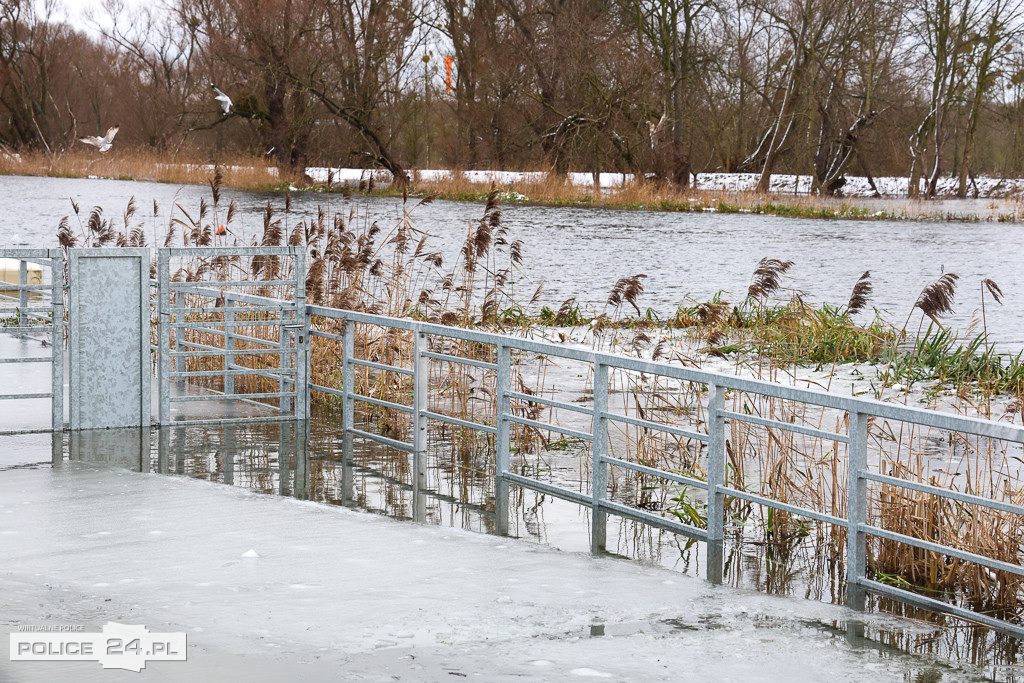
(421, 385)
(857, 511)
(283, 364)
(348, 386)
(57, 342)
(598, 465)
(304, 347)
(23, 318)
(303, 350)
(164, 319)
(716, 479)
(502, 455)
(229, 344)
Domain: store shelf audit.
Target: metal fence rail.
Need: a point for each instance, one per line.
(36, 308)
(858, 413)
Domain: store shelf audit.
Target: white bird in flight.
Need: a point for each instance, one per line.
(101, 143)
(225, 101)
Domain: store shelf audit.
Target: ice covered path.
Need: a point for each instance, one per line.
(339, 595)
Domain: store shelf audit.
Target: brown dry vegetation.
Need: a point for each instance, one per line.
(250, 172)
(241, 171)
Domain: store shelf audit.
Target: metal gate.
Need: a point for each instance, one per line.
(232, 329)
(28, 307)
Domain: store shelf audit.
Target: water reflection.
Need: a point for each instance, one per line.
(316, 461)
(127, 448)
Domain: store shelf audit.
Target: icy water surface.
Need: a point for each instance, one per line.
(88, 477)
(274, 588)
(581, 252)
(270, 587)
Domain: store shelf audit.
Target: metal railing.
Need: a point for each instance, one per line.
(859, 412)
(292, 347)
(37, 308)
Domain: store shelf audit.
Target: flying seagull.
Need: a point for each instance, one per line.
(225, 102)
(102, 143)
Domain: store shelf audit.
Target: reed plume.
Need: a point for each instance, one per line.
(936, 300)
(767, 276)
(859, 296)
(993, 289)
(627, 289)
(65, 237)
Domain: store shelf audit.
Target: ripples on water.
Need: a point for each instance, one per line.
(581, 252)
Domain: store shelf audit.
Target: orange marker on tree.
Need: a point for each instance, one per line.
(448, 61)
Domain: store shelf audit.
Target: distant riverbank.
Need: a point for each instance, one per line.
(997, 199)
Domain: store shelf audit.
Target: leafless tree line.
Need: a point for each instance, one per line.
(659, 88)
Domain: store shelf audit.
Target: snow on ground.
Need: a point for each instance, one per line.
(781, 183)
(856, 186)
(272, 588)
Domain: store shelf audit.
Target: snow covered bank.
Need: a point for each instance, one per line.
(781, 183)
(330, 593)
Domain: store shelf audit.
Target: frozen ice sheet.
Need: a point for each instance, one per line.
(336, 594)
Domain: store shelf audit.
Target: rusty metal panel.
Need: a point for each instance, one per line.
(109, 338)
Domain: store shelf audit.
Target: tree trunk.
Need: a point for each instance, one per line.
(680, 160)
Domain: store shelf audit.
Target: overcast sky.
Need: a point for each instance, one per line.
(76, 12)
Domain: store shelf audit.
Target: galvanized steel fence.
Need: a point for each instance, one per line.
(859, 413)
(31, 308)
(217, 308)
(214, 303)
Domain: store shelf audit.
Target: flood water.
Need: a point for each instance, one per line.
(113, 530)
(309, 462)
(581, 252)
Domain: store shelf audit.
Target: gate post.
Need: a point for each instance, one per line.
(163, 277)
(421, 404)
(599, 468)
(110, 338)
(57, 341)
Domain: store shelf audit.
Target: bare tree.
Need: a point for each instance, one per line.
(943, 28)
(159, 56)
(671, 30)
(990, 51)
(41, 61)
